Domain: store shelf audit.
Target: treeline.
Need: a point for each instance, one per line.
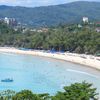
(63, 38)
(77, 91)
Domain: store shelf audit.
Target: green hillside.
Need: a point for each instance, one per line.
(53, 15)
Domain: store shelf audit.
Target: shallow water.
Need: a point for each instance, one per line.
(42, 75)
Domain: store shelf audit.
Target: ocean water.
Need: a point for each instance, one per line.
(43, 75)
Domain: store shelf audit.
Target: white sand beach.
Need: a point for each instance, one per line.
(87, 60)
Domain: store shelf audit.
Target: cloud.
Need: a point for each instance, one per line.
(7, 1)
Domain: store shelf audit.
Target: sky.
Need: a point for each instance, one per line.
(35, 3)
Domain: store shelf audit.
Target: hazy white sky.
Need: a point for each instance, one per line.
(33, 3)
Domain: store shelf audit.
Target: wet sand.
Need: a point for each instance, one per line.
(87, 60)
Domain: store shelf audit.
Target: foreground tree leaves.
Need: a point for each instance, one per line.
(77, 91)
(25, 95)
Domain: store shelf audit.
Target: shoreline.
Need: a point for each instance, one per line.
(86, 60)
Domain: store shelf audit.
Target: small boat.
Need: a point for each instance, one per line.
(7, 80)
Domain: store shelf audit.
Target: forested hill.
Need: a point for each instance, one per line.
(53, 15)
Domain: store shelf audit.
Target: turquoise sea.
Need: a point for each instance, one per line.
(42, 75)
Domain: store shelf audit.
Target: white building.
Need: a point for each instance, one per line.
(6, 20)
(85, 19)
(10, 21)
(79, 26)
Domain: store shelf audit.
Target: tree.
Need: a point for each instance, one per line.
(26, 95)
(7, 95)
(77, 91)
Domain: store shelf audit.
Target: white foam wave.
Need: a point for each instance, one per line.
(77, 71)
(6, 53)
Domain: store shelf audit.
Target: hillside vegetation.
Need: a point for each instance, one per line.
(53, 15)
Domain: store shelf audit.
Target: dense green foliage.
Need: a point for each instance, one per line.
(53, 15)
(63, 38)
(77, 91)
(26, 95)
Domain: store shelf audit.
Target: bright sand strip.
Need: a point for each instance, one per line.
(87, 60)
